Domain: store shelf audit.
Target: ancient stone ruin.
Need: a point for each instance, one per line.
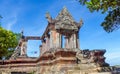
(60, 51)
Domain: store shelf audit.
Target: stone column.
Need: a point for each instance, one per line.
(23, 48)
(58, 40)
(71, 41)
(40, 47)
(67, 42)
(78, 42)
(74, 40)
(51, 39)
(55, 39)
(43, 46)
(47, 42)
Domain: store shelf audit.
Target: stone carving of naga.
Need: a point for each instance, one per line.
(91, 56)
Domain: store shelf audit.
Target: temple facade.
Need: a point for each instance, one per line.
(60, 51)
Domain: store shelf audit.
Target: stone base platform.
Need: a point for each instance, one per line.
(65, 62)
(53, 62)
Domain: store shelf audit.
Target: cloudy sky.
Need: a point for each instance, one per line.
(29, 15)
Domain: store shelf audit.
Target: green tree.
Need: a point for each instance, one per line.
(11, 50)
(112, 7)
(8, 41)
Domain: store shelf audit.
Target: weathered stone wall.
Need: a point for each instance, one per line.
(18, 69)
(70, 69)
(64, 61)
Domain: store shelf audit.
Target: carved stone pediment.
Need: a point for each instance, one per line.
(65, 21)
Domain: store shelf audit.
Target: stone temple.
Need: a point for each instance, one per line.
(60, 51)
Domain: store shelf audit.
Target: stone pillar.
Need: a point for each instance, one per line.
(73, 41)
(58, 40)
(43, 46)
(67, 42)
(51, 39)
(55, 39)
(78, 42)
(40, 48)
(23, 48)
(47, 42)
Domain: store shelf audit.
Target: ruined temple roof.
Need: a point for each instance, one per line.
(64, 13)
(64, 20)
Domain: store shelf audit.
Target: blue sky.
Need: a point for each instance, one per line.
(30, 16)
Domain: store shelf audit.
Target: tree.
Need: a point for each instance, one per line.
(8, 41)
(112, 7)
(11, 50)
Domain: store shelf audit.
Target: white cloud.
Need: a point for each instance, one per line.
(11, 22)
(113, 55)
(113, 58)
(10, 15)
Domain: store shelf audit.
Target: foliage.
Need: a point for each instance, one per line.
(9, 53)
(112, 7)
(8, 41)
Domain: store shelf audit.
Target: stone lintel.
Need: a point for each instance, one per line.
(33, 38)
